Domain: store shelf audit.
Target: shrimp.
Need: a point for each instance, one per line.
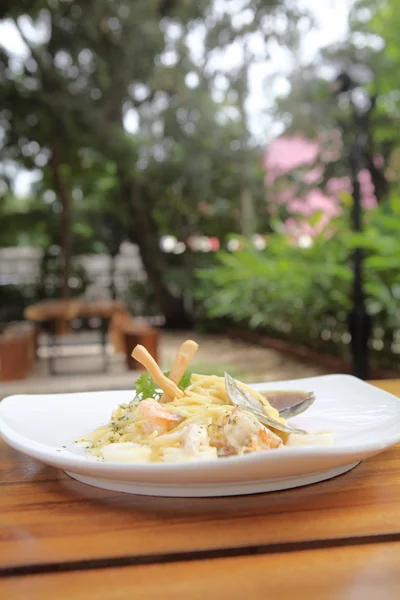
(157, 417)
(240, 433)
(263, 440)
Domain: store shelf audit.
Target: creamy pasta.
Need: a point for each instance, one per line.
(200, 422)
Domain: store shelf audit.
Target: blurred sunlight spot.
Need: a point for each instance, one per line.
(77, 194)
(139, 91)
(11, 40)
(62, 59)
(179, 248)
(192, 80)
(243, 17)
(259, 242)
(41, 159)
(168, 243)
(49, 196)
(189, 128)
(233, 245)
(131, 121)
(95, 94)
(305, 241)
(37, 31)
(378, 345)
(169, 58)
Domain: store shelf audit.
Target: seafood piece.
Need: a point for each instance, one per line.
(127, 452)
(264, 440)
(239, 433)
(195, 438)
(195, 445)
(157, 417)
(246, 401)
(289, 403)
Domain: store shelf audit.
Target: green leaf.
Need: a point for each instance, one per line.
(185, 381)
(145, 387)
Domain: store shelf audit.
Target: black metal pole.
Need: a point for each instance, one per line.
(359, 321)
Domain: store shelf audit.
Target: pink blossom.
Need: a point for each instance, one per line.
(297, 228)
(328, 156)
(315, 175)
(379, 161)
(364, 176)
(322, 223)
(285, 155)
(291, 224)
(369, 202)
(300, 207)
(335, 185)
(288, 153)
(367, 189)
(318, 201)
(214, 244)
(287, 195)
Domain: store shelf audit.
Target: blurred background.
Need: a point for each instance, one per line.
(228, 168)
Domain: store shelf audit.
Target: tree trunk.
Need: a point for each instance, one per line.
(65, 222)
(145, 235)
(113, 291)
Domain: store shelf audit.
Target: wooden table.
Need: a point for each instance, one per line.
(55, 316)
(65, 310)
(339, 539)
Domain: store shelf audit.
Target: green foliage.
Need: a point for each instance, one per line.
(381, 242)
(97, 65)
(146, 388)
(185, 381)
(298, 293)
(277, 287)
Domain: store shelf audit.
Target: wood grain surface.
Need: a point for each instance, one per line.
(360, 573)
(49, 521)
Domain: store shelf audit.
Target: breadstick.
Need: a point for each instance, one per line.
(140, 354)
(181, 362)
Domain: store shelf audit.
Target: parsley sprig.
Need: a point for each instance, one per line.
(146, 388)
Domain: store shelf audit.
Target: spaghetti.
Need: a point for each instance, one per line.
(200, 422)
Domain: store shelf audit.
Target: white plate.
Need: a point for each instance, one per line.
(364, 420)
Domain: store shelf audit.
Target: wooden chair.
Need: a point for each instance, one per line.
(18, 346)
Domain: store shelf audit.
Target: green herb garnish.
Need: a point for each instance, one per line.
(185, 381)
(146, 388)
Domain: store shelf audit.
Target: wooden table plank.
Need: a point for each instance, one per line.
(70, 309)
(362, 572)
(389, 385)
(49, 518)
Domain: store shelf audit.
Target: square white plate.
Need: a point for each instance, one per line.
(364, 419)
